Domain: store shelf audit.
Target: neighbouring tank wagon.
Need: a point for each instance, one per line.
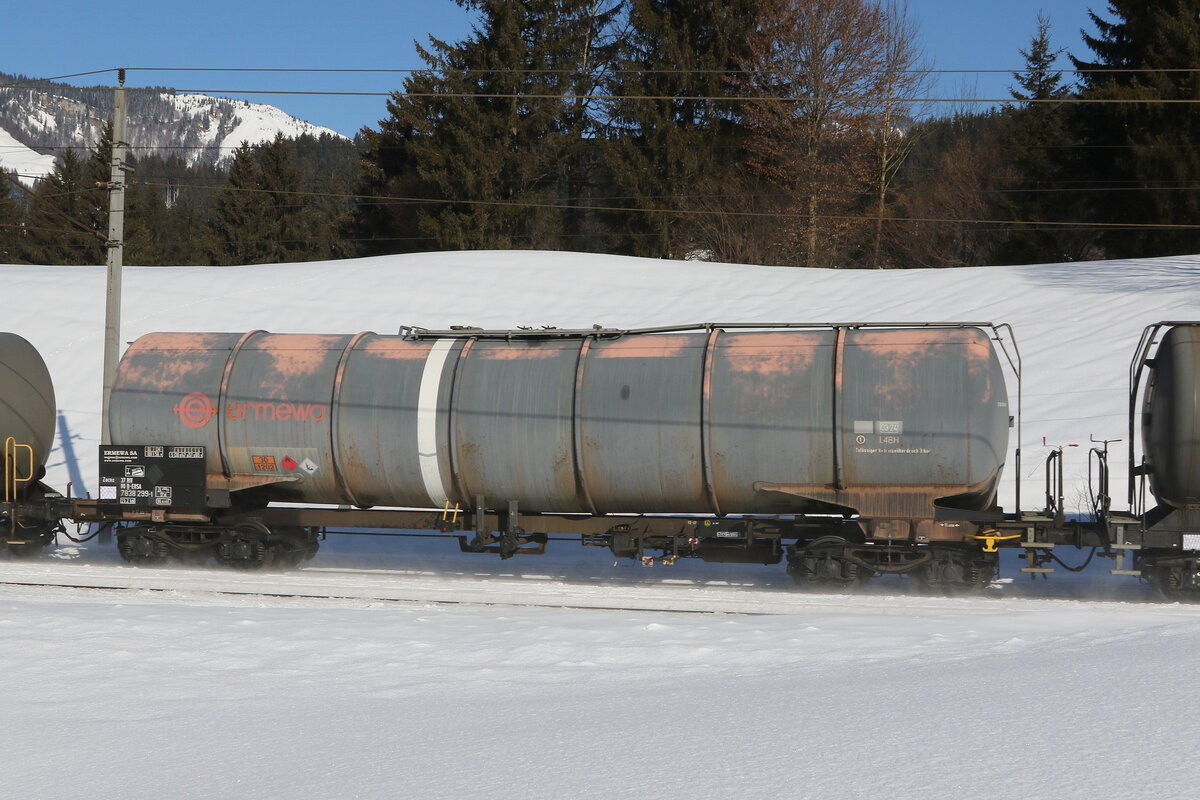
(1169, 545)
(1171, 418)
(27, 422)
(27, 413)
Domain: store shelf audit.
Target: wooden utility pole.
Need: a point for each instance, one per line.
(116, 251)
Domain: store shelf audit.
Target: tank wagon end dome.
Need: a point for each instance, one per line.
(1171, 417)
(27, 405)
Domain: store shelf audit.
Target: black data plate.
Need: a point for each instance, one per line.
(150, 476)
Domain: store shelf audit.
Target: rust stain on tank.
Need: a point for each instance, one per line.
(903, 343)
(525, 351)
(900, 345)
(652, 346)
(980, 360)
(912, 500)
(896, 355)
(769, 353)
(184, 342)
(167, 361)
(164, 371)
(396, 349)
(298, 355)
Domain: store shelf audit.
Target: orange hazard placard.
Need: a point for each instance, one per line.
(264, 464)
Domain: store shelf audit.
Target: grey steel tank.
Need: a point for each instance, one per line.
(1171, 418)
(698, 420)
(27, 414)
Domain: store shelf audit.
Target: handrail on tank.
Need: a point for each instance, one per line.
(1137, 366)
(415, 332)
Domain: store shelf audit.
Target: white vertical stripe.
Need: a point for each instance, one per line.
(427, 413)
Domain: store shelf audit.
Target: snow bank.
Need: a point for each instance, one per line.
(179, 696)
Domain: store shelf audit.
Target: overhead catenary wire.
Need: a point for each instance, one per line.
(700, 212)
(40, 229)
(569, 97)
(564, 97)
(638, 70)
(1028, 224)
(348, 142)
(83, 229)
(674, 210)
(363, 199)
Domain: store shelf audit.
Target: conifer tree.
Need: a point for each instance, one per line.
(1149, 146)
(262, 215)
(242, 221)
(1039, 144)
(386, 217)
(1040, 81)
(328, 168)
(676, 138)
(166, 210)
(494, 128)
(10, 220)
(64, 217)
(163, 226)
(279, 178)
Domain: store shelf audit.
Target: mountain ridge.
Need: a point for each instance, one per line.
(40, 118)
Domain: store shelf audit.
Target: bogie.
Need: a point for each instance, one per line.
(1175, 575)
(954, 570)
(245, 547)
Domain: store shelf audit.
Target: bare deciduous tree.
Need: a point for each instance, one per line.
(945, 207)
(824, 84)
(905, 79)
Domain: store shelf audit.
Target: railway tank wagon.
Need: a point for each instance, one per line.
(839, 436)
(27, 421)
(1170, 426)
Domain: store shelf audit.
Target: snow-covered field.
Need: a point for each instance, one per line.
(1076, 687)
(181, 696)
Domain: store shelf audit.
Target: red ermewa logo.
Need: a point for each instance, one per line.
(195, 410)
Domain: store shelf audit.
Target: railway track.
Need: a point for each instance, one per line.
(338, 585)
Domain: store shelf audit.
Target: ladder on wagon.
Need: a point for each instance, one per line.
(13, 477)
(12, 470)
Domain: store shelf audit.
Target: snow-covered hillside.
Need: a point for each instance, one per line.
(183, 692)
(222, 124)
(34, 122)
(27, 163)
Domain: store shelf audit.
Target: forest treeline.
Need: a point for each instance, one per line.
(790, 132)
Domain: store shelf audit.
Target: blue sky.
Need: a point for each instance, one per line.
(71, 37)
